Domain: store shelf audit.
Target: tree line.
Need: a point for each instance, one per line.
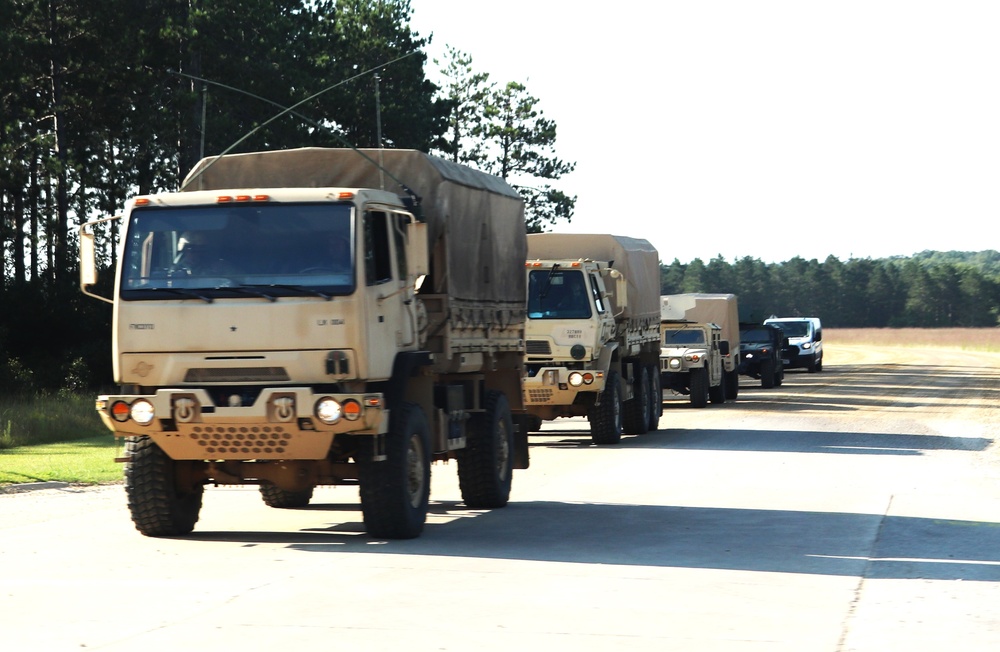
(928, 290)
(102, 101)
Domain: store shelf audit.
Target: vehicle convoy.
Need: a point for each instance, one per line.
(761, 347)
(592, 332)
(699, 357)
(805, 342)
(288, 324)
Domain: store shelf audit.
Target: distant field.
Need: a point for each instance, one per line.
(967, 339)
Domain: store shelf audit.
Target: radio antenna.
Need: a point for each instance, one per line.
(291, 109)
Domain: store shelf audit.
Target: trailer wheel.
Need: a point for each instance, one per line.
(767, 374)
(635, 411)
(606, 418)
(395, 491)
(732, 385)
(655, 398)
(158, 506)
(699, 387)
(275, 496)
(485, 466)
(717, 394)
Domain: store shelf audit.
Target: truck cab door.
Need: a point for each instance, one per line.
(384, 279)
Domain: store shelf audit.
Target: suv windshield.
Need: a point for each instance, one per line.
(274, 249)
(794, 328)
(756, 336)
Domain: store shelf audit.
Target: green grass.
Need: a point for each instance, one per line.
(86, 461)
(55, 438)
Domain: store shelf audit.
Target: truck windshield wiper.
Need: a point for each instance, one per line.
(182, 292)
(302, 289)
(548, 281)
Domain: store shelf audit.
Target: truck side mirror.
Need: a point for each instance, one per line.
(417, 254)
(724, 347)
(784, 343)
(88, 258)
(619, 298)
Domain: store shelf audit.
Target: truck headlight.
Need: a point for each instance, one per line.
(328, 410)
(142, 412)
(576, 379)
(674, 363)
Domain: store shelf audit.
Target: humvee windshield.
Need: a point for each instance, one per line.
(756, 336)
(683, 336)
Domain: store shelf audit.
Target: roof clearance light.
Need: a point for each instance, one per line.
(223, 199)
(347, 196)
(262, 197)
(143, 201)
(242, 197)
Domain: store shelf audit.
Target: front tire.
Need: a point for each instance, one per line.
(485, 466)
(767, 374)
(159, 507)
(606, 418)
(699, 387)
(395, 492)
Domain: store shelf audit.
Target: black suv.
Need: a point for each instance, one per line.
(760, 353)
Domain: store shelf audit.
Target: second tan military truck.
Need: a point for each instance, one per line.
(593, 339)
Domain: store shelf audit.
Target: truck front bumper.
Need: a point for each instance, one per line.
(560, 386)
(292, 423)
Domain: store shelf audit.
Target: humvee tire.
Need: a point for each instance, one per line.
(699, 387)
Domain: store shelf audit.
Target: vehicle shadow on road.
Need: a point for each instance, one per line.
(786, 441)
(821, 543)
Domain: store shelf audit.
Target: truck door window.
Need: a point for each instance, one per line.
(595, 290)
(378, 259)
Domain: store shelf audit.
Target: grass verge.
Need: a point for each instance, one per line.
(83, 461)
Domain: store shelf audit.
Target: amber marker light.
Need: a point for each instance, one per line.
(352, 410)
(143, 201)
(347, 196)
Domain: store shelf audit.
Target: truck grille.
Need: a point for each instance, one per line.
(240, 440)
(537, 347)
(236, 375)
(539, 395)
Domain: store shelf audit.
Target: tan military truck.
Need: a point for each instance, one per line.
(699, 357)
(593, 332)
(317, 317)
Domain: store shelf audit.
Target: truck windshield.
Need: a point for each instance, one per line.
(233, 250)
(795, 328)
(683, 336)
(558, 294)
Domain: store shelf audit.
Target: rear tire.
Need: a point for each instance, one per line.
(606, 418)
(732, 385)
(699, 387)
(655, 398)
(158, 506)
(635, 411)
(395, 492)
(277, 497)
(485, 466)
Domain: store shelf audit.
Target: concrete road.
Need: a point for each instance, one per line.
(855, 509)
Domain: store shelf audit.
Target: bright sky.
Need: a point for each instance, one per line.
(857, 128)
